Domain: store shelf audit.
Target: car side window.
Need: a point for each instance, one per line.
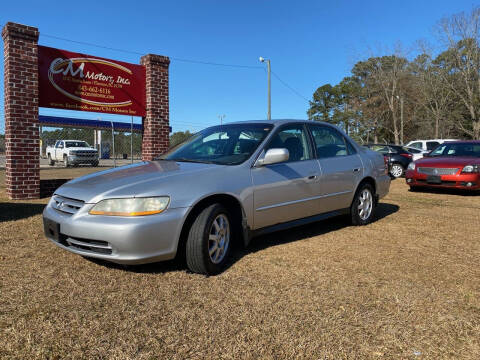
(432, 144)
(417, 145)
(329, 142)
(294, 138)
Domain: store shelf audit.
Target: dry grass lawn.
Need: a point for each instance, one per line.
(404, 287)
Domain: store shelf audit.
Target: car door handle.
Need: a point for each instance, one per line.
(311, 177)
(356, 170)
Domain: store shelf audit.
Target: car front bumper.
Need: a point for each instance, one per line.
(74, 159)
(123, 240)
(456, 181)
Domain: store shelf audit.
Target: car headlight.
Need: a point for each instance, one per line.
(411, 166)
(131, 206)
(471, 169)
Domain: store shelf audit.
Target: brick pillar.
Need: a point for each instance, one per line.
(156, 122)
(21, 111)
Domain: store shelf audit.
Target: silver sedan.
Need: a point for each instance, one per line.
(225, 184)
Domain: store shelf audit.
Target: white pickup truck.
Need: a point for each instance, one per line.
(72, 152)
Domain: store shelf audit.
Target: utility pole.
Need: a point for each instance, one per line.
(221, 117)
(269, 71)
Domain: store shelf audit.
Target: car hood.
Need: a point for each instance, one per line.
(152, 178)
(447, 161)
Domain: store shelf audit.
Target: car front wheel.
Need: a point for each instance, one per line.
(50, 161)
(363, 205)
(396, 170)
(209, 240)
(65, 161)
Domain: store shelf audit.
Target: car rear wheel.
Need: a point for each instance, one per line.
(95, 164)
(209, 241)
(50, 161)
(363, 205)
(396, 170)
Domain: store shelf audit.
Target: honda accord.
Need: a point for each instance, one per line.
(225, 184)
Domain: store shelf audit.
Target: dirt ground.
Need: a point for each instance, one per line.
(404, 287)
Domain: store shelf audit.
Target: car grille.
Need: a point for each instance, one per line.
(85, 153)
(437, 171)
(66, 205)
(94, 246)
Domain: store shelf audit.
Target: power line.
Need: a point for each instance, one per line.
(290, 88)
(141, 54)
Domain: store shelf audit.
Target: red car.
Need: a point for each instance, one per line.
(453, 164)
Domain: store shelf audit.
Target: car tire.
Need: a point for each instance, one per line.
(211, 228)
(50, 161)
(396, 170)
(95, 164)
(65, 161)
(363, 205)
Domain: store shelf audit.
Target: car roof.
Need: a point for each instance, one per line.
(464, 142)
(277, 122)
(379, 144)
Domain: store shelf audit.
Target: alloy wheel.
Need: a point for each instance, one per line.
(219, 238)
(396, 170)
(366, 204)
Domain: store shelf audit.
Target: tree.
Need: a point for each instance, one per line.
(179, 137)
(323, 104)
(434, 96)
(461, 61)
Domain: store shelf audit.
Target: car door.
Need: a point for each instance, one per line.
(289, 190)
(59, 150)
(341, 167)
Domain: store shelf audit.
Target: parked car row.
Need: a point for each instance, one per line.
(231, 182)
(399, 157)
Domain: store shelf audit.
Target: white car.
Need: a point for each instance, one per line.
(427, 145)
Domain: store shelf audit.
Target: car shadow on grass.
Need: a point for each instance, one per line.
(258, 243)
(317, 228)
(11, 211)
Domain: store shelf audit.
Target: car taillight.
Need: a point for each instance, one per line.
(385, 160)
(408, 156)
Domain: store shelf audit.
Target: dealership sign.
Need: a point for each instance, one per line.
(89, 83)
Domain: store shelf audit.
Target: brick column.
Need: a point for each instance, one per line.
(21, 111)
(156, 122)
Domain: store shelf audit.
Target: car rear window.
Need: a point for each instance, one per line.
(432, 145)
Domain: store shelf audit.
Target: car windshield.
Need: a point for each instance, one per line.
(72, 144)
(457, 149)
(225, 144)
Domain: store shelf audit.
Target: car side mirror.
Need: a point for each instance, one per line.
(274, 156)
